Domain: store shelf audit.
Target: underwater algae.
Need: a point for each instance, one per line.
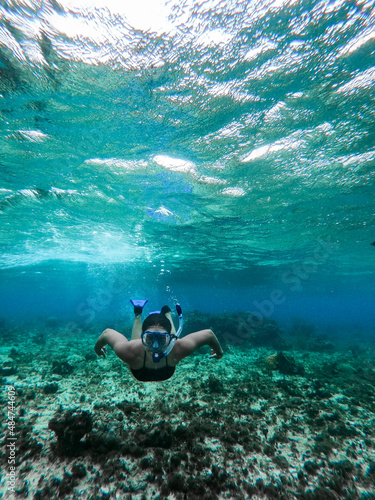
(236, 428)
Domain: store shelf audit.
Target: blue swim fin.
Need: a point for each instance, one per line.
(138, 305)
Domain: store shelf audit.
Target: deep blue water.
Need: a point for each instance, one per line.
(218, 154)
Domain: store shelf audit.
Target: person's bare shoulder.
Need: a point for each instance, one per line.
(130, 352)
(178, 351)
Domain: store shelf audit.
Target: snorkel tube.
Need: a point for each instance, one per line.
(157, 356)
(180, 321)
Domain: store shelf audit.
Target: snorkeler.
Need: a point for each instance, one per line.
(155, 347)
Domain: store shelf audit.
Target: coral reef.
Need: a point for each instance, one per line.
(51, 388)
(62, 368)
(70, 427)
(240, 329)
(256, 424)
(284, 364)
(7, 369)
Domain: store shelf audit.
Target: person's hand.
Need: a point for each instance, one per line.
(216, 355)
(100, 351)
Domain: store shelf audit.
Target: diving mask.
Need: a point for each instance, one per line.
(160, 343)
(156, 340)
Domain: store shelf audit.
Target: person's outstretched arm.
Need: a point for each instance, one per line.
(120, 344)
(187, 345)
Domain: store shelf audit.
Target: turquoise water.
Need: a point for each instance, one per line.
(219, 154)
(208, 153)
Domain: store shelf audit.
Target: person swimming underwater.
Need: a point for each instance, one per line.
(155, 348)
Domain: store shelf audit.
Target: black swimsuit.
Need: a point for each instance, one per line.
(145, 374)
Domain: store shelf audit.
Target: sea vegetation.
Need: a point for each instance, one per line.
(284, 364)
(70, 427)
(62, 368)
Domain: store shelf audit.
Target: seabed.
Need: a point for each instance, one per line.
(241, 427)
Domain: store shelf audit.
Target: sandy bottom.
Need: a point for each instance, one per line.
(218, 429)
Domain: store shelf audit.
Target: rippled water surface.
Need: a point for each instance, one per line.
(208, 152)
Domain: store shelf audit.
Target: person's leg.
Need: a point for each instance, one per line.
(167, 313)
(137, 327)
(173, 330)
